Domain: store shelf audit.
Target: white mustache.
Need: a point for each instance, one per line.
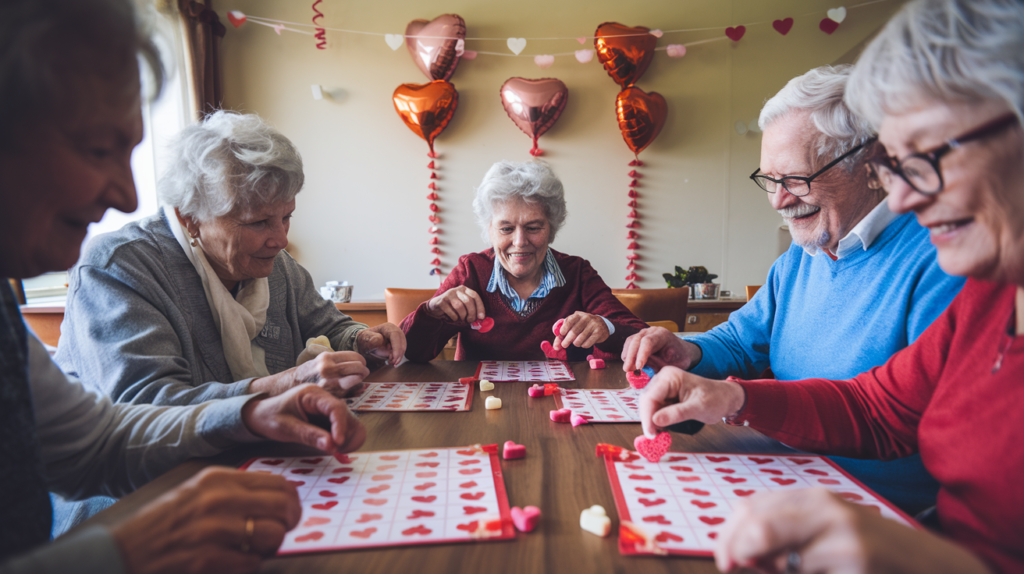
(798, 210)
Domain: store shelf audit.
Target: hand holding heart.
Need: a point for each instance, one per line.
(201, 524)
(459, 304)
(336, 372)
(830, 535)
(674, 396)
(306, 415)
(384, 340)
(582, 330)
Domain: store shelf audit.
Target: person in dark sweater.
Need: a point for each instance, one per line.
(520, 283)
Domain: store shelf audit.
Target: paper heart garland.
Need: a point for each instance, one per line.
(432, 44)
(517, 45)
(783, 26)
(534, 105)
(237, 18)
(426, 108)
(675, 50)
(394, 41)
(624, 52)
(641, 117)
(544, 61)
(837, 14)
(584, 56)
(736, 33)
(828, 25)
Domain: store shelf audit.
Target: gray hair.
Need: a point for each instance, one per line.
(820, 92)
(230, 161)
(528, 181)
(943, 50)
(51, 49)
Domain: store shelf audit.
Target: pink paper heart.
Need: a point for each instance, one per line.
(545, 61)
(653, 450)
(525, 519)
(675, 50)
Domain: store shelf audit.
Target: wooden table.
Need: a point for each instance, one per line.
(560, 474)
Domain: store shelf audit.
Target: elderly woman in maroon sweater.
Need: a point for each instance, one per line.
(520, 283)
(944, 85)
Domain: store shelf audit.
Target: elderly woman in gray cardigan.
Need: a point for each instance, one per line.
(201, 301)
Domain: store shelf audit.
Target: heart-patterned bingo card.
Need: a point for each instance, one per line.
(601, 405)
(394, 498)
(678, 504)
(532, 371)
(447, 397)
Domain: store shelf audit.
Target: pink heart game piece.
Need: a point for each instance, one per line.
(550, 352)
(557, 328)
(484, 325)
(637, 379)
(535, 391)
(561, 416)
(653, 450)
(577, 420)
(597, 363)
(525, 519)
(513, 451)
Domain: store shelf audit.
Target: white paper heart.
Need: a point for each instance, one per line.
(656, 33)
(460, 47)
(581, 40)
(837, 15)
(544, 61)
(517, 45)
(394, 41)
(675, 50)
(584, 56)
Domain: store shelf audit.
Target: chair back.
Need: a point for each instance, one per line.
(19, 290)
(670, 325)
(400, 302)
(751, 289)
(656, 304)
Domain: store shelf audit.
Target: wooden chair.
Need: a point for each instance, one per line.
(19, 290)
(400, 302)
(751, 289)
(656, 304)
(670, 325)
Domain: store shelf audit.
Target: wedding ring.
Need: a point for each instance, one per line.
(250, 525)
(793, 563)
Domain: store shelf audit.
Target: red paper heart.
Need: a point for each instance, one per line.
(640, 477)
(378, 489)
(465, 452)
(473, 509)
(471, 495)
(682, 468)
(420, 529)
(711, 520)
(736, 33)
(420, 514)
(659, 519)
(434, 45)
(316, 521)
(424, 499)
(376, 501)
(363, 533)
(851, 496)
(426, 474)
(380, 477)
(311, 460)
(816, 472)
(369, 518)
(326, 505)
(649, 503)
(428, 464)
(296, 483)
(740, 492)
(310, 537)
(784, 481)
(726, 470)
(703, 504)
(274, 462)
(760, 460)
(643, 490)
(668, 537)
(697, 491)
(624, 52)
(801, 461)
(733, 479)
(691, 478)
(302, 471)
(469, 484)
(338, 479)
(425, 486)
(328, 494)
(771, 471)
(828, 26)
(830, 481)
(390, 457)
(783, 26)
(718, 458)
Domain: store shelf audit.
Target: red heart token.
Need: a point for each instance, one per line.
(653, 450)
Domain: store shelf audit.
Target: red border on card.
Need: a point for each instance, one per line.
(560, 405)
(480, 366)
(468, 406)
(507, 530)
(623, 509)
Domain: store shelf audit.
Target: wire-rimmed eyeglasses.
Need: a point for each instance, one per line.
(799, 185)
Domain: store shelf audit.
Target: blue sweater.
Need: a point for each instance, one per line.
(815, 317)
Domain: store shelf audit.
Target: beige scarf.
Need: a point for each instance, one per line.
(239, 319)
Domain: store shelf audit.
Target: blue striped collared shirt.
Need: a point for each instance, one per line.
(552, 278)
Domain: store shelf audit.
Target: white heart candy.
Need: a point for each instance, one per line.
(517, 45)
(675, 50)
(394, 41)
(595, 520)
(544, 61)
(837, 15)
(584, 56)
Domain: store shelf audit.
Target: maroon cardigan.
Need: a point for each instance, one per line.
(516, 338)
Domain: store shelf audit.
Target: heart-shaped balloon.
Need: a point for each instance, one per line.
(433, 45)
(641, 117)
(625, 52)
(534, 105)
(426, 108)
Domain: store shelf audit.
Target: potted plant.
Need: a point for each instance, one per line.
(697, 278)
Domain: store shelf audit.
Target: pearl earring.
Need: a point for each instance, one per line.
(195, 241)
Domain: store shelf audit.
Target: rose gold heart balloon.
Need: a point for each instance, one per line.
(534, 105)
(426, 108)
(437, 45)
(625, 52)
(641, 117)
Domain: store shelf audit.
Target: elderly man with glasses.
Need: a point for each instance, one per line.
(858, 284)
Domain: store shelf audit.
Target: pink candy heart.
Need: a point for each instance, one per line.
(578, 420)
(597, 363)
(513, 450)
(550, 352)
(653, 450)
(535, 391)
(484, 325)
(561, 415)
(525, 519)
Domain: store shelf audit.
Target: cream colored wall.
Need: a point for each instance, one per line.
(362, 216)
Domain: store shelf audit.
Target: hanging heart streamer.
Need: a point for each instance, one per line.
(321, 34)
(624, 52)
(434, 44)
(534, 105)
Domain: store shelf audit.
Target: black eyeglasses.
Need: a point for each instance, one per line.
(921, 170)
(799, 185)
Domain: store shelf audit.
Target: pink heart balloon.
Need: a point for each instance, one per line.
(534, 105)
(434, 45)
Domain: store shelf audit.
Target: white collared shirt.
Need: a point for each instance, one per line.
(864, 233)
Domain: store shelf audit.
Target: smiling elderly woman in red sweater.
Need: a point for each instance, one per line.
(520, 283)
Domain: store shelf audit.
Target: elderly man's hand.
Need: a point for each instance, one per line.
(220, 520)
(814, 530)
(385, 340)
(336, 371)
(582, 330)
(658, 347)
(459, 304)
(307, 415)
(674, 396)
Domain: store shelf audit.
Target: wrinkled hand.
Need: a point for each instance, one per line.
(459, 304)
(830, 535)
(582, 330)
(200, 526)
(307, 415)
(658, 347)
(674, 396)
(337, 372)
(385, 340)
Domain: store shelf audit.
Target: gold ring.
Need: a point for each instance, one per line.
(250, 526)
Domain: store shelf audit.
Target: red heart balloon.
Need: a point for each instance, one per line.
(426, 108)
(433, 45)
(625, 52)
(534, 105)
(641, 117)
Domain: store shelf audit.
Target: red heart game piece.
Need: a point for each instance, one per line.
(653, 450)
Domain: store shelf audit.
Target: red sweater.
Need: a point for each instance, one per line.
(941, 397)
(516, 338)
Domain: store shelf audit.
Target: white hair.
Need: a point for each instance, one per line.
(528, 181)
(946, 51)
(819, 92)
(50, 51)
(230, 161)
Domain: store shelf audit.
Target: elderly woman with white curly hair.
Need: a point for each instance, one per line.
(200, 301)
(520, 288)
